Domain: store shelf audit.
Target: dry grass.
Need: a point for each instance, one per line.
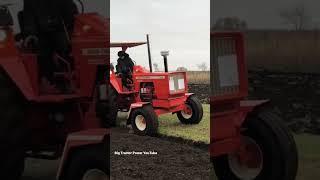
(198, 77)
(171, 126)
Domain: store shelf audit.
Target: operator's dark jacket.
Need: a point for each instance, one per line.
(125, 66)
(48, 15)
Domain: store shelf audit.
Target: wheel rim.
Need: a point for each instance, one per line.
(95, 174)
(247, 164)
(140, 122)
(187, 112)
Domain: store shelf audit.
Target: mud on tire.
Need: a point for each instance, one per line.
(280, 159)
(12, 129)
(144, 121)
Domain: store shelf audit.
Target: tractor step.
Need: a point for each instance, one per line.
(43, 155)
(56, 98)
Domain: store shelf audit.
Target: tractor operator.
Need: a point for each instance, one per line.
(51, 23)
(124, 67)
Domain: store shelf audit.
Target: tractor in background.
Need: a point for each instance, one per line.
(248, 138)
(58, 125)
(152, 94)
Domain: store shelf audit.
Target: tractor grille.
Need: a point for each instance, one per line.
(224, 74)
(176, 83)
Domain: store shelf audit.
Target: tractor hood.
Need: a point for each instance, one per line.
(166, 84)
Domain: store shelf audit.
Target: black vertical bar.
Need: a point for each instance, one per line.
(149, 53)
(165, 63)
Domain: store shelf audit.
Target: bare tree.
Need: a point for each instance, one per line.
(296, 16)
(230, 23)
(203, 66)
(156, 67)
(182, 69)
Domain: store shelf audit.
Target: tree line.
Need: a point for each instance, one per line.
(296, 17)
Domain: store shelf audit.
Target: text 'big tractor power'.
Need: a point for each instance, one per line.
(149, 94)
(48, 125)
(248, 140)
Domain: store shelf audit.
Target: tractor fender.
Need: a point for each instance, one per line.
(135, 106)
(189, 94)
(225, 131)
(230, 123)
(17, 73)
(79, 140)
(248, 106)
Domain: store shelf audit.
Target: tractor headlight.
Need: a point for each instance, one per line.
(3, 35)
(176, 83)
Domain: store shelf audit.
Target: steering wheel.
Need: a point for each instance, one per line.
(81, 5)
(31, 42)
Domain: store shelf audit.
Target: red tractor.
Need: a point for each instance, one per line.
(248, 139)
(62, 125)
(151, 94)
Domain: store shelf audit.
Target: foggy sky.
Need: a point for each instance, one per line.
(180, 26)
(262, 14)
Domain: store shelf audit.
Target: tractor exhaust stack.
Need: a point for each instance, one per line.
(165, 54)
(149, 53)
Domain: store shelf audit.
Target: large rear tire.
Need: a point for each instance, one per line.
(274, 147)
(12, 130)
(108, 110)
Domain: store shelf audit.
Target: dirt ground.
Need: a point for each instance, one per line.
(174, 160)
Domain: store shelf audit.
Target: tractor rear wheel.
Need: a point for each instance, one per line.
(269, 153)
(193, 112)
(12, 130)
(90, 163)
(144, 121)
(108, 111)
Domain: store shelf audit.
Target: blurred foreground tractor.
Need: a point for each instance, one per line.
(147, 94)
(60, 125)
(249, 140)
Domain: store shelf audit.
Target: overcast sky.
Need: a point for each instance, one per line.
(262, 14)
(180, 26)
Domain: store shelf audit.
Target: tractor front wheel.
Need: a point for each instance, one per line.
(90, 163)
(108, 110)
(268, 152)
(144, 121)
(192, 113)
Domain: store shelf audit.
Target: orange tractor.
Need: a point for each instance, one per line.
(248, 139)
(151, 94)
(62, 125)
